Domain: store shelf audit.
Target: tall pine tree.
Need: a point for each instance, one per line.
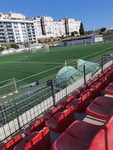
(81, 30)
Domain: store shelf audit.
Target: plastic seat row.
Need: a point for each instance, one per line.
(12, 143)
(100, 107)
(53, 111)
(35, 126)
(80, 104)
(105, 78)
(36, 141)
(81, 135)
(61, 120)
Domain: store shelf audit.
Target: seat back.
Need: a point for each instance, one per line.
(52, 112)
(84, 100)
(109, 131)
(58, 116)
(68, 116)
(23, 145)
(36, 126)
(98, 142)
(12, 143)
(57, 109)
(104, 138)
(46, 142)
(67, 101)
(36, 141)
(79, 92)
(96, 90)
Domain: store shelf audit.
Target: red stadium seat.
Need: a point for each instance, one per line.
(52, 112)
(12, 143)
(77, 95)
(60, 121)
(36, 126)
(96, 90)
(100, 107)
(109, 74)
(81, 104)
(67, 100)
(104, 82)
(36, 141)
(81, 135)
(109, 89)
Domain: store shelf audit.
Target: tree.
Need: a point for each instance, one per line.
(102, 29)
(26, 44)
(74, 33)
(1, 48)
(15, 46)
(8, 46)
(81, 30)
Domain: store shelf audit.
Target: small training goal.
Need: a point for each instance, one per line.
(7, 88)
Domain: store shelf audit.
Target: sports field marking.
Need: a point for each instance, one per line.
(21, 58)
(61, 65)
(97, 52)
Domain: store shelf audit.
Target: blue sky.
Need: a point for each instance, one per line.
(94, 14)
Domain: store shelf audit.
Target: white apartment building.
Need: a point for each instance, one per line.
(59, 28)
(14, 28)
(54, 28)
(47, 26)
(38, 26)
(72, 25)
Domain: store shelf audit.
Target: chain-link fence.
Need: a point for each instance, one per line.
(18, 111)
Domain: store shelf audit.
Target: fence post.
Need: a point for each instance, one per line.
(102, 64)
(51, 83)
(17, 115)
(84, 74)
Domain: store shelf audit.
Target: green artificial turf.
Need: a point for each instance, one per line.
(40, 65)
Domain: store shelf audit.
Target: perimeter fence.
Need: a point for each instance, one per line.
(19, 111)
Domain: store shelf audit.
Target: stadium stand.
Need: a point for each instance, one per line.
(82, 135)
(73, 133)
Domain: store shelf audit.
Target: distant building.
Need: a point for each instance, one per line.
(72, 25)
(14, 28)
(81, 40)
(17, 28)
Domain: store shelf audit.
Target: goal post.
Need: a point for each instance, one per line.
(46, 48)
(71, 62)
(7, 88)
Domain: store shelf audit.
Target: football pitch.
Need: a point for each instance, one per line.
(42, 66)
(28, 67)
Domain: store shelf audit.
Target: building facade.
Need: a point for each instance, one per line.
(16, 28)
(82, 40)
(72, 25)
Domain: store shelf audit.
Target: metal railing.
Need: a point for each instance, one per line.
(17, 112)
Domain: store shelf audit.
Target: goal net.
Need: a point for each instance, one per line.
(46, 48)
(7, 88)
